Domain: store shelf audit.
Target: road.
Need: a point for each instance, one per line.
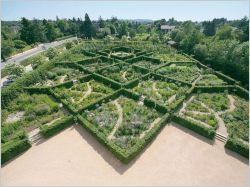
(29, 53)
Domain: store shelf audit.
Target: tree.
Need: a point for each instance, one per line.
(26, 32)
(51, 53)
(101, 22)
(201, 51)
(142, 29)
(19, 44)
(7, 48)
(14, 71)
(50, 32)
(87, 28)
(132, 33)
(209, 28)
(224, 32)
(123, 30)
(38, 31)
(112, 29)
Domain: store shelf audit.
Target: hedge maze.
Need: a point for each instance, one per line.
(124, 96)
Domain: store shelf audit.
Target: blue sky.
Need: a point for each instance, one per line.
(180, 10)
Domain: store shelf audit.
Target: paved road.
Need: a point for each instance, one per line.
(40, 48)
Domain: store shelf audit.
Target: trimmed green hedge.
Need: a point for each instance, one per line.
(122, 154)
(225, 77)
(107, 81)
(64, 37)
(13, 148)
(211, 89)
(40, 90)
(242, 92)
(196, 127)
(237, 146)
(57, 126)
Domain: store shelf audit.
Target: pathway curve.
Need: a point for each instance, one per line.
(62, 78)
(221, 125)
(171, 99)
(87, 93)
(150, 127)
(231, 107)
(196, 80)
(156, 90)
(124, 75)
(119, 121)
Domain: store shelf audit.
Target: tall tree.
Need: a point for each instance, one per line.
(50, 32)
(209, 28)
(26, 32)
(87, 28)
(101, 22)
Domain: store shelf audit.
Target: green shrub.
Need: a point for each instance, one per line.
(13, 148)
(57, 126)
(237, 146)
(197, 127)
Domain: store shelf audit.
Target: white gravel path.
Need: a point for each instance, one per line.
(119, 121)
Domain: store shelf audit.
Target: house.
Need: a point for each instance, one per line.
(167, 28)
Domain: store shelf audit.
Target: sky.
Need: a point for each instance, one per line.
(181, 10)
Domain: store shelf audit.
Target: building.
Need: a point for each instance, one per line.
(167, 28)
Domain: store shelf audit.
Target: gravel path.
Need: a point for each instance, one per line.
(119, 121)
(150, 127)
(124, 76)
(171, 99)
(62, 78)
(177, 157)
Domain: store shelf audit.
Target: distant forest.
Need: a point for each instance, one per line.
(223, 44)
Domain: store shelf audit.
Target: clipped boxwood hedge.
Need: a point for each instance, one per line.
(123, 155)
(57, 126)
(196, 127)
(238, 147)
(13, 148)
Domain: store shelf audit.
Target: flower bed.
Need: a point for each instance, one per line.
(237, 121)
(121, 73)
(186, 73)
(82, 94)
(60, 74)
(171, 57)
(163, 92)
(210, 80)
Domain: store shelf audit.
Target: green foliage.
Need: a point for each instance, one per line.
(186, 73)
(57, 126)
(51, 53)
(237, 121)
(197, 127)
(13, 71)
(19, 44)
(13, 148)
(237, 146)
(215, 101)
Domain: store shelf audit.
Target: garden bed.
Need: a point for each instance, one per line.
(171, 57)
(123, 123)
(164, 92)
(60, 74)
(122, 72)
(82, 94)
(184, 72)
(37, 110)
